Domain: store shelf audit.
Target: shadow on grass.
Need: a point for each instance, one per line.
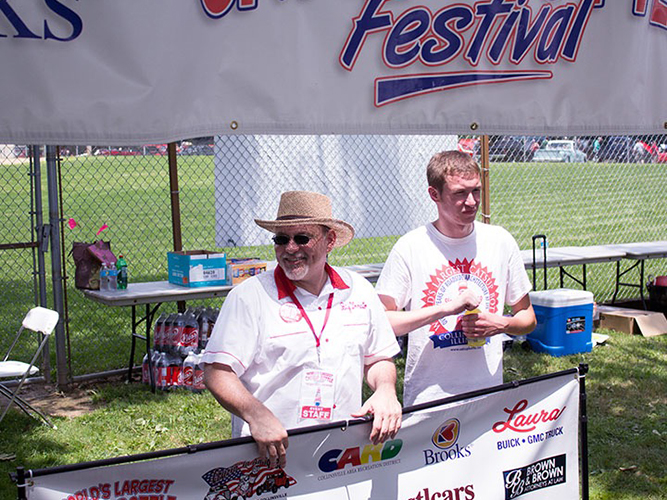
(627, 402)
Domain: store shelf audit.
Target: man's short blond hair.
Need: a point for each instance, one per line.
(448, 163)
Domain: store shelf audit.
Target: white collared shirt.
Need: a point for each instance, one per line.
(268, 343)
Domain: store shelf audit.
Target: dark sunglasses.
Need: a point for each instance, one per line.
(299, 239)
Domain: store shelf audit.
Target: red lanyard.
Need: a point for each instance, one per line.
(305, 315)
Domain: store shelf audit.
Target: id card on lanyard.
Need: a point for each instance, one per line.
(316, 401)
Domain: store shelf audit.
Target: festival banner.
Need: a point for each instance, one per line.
(138, 72)
(513, 441)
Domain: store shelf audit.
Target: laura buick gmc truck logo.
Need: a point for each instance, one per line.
(526, 423)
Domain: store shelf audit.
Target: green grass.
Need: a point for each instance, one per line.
(627, 428)
(574, 204)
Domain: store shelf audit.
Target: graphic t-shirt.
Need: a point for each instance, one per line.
(426, 268)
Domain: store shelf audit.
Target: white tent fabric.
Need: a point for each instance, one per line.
(128, 71)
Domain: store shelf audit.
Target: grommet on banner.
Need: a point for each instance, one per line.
(234, 125)
(474, 126)
(344, 428)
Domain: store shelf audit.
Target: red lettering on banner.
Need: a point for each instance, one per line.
(658, 10)
(520, 422)
(137, 486)
(220, 8)
(461, 493)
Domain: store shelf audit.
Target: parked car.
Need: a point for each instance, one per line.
(661, 155)
(505, 148)
(560, 151)
(616, 148)
(155, 149)
(197, 149)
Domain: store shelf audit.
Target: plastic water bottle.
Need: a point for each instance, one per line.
(189, 371)
(121, 264)
(190, 336)
(104, 278)
(204, 328)
(161, 371)
(177, 331)
(168, 334)
(113, 277)
(156, 370)
(174, 371)
(198, 381)
(158, 332)
(145, 374)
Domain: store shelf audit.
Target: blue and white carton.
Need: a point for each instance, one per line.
(564, 321)
(195, 268)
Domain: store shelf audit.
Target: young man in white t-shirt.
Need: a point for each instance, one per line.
(446, 284)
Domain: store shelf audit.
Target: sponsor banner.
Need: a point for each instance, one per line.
(128, 71)
(506, 444)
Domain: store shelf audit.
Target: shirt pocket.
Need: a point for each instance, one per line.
(287, 347)
(356, 331)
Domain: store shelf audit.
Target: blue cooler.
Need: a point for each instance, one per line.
(564, 321)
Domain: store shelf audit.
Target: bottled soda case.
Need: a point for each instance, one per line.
(178, 342)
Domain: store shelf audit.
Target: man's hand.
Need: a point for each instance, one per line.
(466, 301)
(270, 436)
(483, 324)
(267, 431)
(486, 324)
(387, 416)
(383, 405)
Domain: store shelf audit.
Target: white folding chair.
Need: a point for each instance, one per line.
(38, 320)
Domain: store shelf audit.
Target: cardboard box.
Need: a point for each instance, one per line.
(194, 268)
(633, 321)
(239, 270)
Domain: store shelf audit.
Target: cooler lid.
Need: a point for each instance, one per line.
(561, 297)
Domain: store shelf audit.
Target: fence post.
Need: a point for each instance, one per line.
(175, 205)
(41, 235)
(486, 186)
(56, 265)
(175, 200)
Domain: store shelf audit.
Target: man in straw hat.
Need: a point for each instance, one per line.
(290, 347)
(446, 284)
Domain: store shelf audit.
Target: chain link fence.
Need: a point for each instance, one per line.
(19, 261)
(577, 191)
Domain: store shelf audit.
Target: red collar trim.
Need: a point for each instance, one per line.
(286, 287)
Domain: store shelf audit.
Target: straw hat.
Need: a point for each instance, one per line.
(304, 207)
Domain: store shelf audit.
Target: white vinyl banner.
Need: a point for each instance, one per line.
(520, 442)
(141, 71)
(383, 179)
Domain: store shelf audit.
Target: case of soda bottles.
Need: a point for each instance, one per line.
(178, 342)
